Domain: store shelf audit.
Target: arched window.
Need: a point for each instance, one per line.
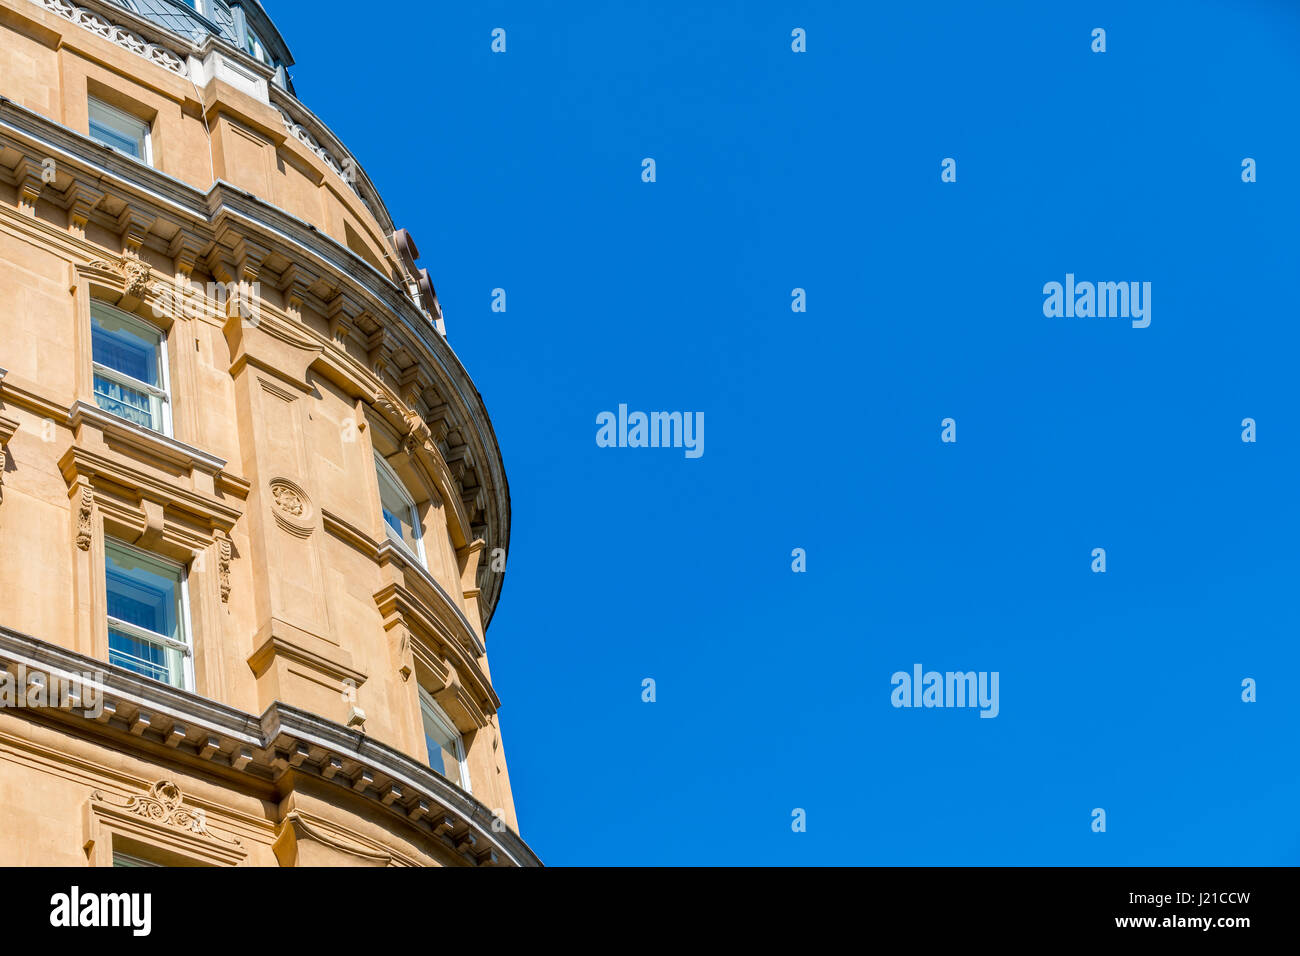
(401, 519)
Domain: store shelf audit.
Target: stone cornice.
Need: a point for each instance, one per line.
(86, 465)
(428, 593)
(432, 595)
(152, 443)
(141, 714)
(219, 218)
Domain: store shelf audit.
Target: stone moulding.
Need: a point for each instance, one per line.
(204, 734)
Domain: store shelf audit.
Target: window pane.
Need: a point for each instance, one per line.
(114, 128)
(441, 739)
(143, 591)
(158, 661)
(135, 350)
(138, 407)
(399, 512)
(126, 346)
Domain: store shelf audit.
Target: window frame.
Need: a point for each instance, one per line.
(253, 43)
(431, 708)
(128, 860)
(118, 113)
(186, 646)
(383, 470)
(163, 394)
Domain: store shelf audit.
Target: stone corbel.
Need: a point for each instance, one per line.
(223, 563)
(31, 182)
(474, 500)
(343, 312)
(185, 250)
(80, 200)
(438, 418)
(295, 285)
(460, 459)
(83, 499)
(413, 382)
(133, 227)
(379, 351)
(7, 428)
(249, 256)
(221, 264)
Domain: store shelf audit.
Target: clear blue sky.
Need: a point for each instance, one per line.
(778, 170)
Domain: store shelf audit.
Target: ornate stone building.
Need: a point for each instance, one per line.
(252, 509)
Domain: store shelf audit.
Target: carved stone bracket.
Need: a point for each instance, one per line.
(223, 564)
(135, 274)
(7, 428)
(85, 508)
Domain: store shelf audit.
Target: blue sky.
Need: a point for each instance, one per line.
(821, 171)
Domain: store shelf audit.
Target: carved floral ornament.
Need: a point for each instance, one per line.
(291, 507)
(134, 273)
(164, 804)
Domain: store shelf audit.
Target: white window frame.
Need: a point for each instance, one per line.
(163, 394)
(442, 717)
(115, 113)
(384, 469)
(186, 646)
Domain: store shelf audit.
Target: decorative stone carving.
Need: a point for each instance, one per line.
(291, 507)
(415, 433)
(164, 804)
(223, 565)
(135, 274)
(287, 500)
(116, 34)
(85, 505)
